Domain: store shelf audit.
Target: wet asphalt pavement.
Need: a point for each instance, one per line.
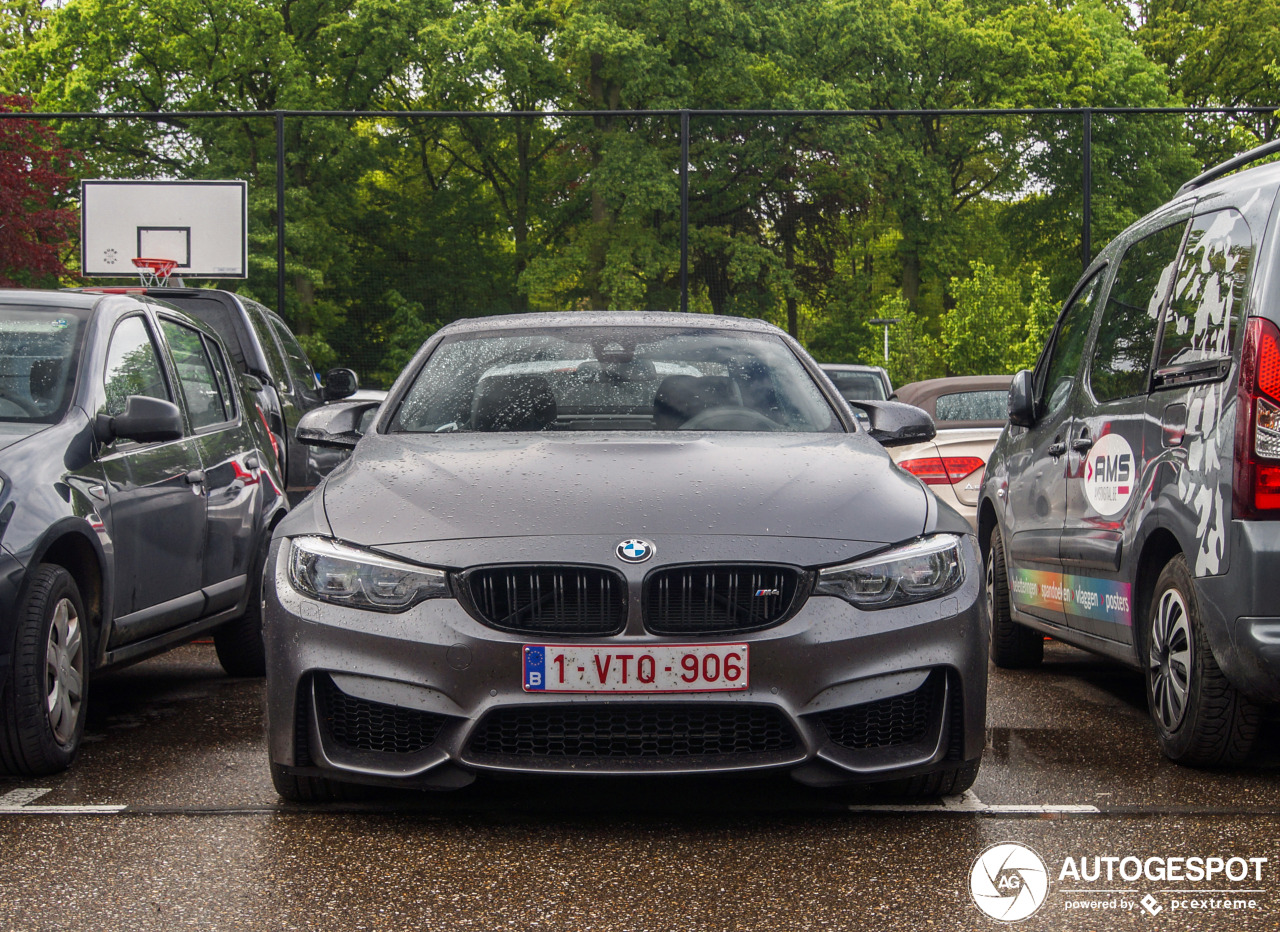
(169, 821)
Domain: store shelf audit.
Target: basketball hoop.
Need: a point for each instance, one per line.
(154, 272)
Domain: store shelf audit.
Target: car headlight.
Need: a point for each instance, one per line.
(922, 570)
(334, 572)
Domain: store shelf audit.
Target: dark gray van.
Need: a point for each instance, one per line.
(1130, 507)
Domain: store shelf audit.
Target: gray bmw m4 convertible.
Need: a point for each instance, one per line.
(622, 543)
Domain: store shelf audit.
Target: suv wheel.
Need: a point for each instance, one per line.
(1013, 646)
(1200, 718)
(239, 641)
(42, 707)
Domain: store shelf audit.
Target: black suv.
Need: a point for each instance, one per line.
(283, 383)
(1130, 507)
(137, 498)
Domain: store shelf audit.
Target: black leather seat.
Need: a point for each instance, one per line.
(513, 403)
(681, 397)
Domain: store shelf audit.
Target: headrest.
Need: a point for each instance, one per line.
(680, 397)
(513, 403)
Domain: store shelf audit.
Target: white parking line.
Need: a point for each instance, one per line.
(18, 802)
(969, 802)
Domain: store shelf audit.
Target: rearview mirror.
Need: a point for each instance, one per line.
(894, 423)
(1022, 402)
(144, 419)
(339, 384)
(335, 425)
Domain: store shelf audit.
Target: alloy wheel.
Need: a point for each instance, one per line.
(1170, 660)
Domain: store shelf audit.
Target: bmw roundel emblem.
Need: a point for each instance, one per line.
(634, 550)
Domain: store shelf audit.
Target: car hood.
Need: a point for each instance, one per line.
(404, 488)
(11, 432)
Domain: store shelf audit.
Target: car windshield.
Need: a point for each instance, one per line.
(614, 378)
(858, 386)
(973, 406)
(39, 347)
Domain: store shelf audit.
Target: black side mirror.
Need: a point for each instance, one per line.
(335, 425)
(145, 419)
(1022, 402)
(894, 423)
(339, 384)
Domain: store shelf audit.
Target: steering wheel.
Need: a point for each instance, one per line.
(25, 407)
(730, 417)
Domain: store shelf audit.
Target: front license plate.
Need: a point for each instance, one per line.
(666, 668)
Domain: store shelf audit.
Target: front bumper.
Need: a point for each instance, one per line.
(836, 695)
(12, 575)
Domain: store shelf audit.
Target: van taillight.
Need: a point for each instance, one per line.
(1256, 476)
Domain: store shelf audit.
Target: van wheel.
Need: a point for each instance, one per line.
(1200, 718)
(42, 707)
(1013, 646)
(239, 641)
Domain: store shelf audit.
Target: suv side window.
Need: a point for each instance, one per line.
(304, 377)
(1127, 332)
(207, 404)
(1063, 362)
(1209, 295)
(133, 366)
(275, 362)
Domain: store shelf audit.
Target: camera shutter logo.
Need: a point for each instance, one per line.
(1009, 882)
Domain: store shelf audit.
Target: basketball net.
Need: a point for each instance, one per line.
(154, 272)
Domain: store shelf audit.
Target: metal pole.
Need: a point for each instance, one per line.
(279, 212)
(684, 210)
(1086, 244)
(885, 322)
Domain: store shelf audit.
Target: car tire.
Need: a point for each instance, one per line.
(239, 643)
(42, 706)
(294, 788)
(1013, 646)
(950, 782)
(1200, 718)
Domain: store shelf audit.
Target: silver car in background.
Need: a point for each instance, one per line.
(625, 543)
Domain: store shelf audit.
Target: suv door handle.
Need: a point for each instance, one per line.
(1082, 444)
(1057, 448)
(195, 477)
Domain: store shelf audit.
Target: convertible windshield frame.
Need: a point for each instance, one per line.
(608, 377)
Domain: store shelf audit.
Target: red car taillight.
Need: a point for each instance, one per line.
(942, 470)
(1256, 476)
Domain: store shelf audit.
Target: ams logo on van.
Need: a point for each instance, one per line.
(1108, 475)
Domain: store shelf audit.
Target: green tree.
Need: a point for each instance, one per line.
(1219, 53)
(998, 322)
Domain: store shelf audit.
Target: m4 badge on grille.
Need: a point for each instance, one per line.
(767, 592)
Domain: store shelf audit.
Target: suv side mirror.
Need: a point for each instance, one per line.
(1022, 402)
(894, 423)
(144, 419)
(335, 425)
(339, 384)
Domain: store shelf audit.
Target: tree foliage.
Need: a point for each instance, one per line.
(36, 220)
(966, 227)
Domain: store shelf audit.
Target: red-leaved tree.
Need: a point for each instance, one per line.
(34, 226)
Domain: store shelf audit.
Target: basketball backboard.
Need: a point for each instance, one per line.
(201, 225)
